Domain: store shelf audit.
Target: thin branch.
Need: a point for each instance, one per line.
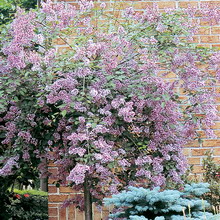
(66, 42)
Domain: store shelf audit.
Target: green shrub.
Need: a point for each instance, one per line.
(25, 205)
(212, 176)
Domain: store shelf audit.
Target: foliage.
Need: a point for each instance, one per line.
(212, 176)
(24, 207)
(103, 110)
(7, 11)
(5, 196)
(8, 8)
(157, 204)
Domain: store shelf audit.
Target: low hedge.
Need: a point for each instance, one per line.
(24, 205)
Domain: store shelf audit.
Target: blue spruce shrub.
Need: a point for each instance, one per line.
(154, 204)
(215, 217)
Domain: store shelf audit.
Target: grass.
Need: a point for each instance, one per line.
(31, 192)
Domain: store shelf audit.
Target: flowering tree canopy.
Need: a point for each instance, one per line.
(103, 111)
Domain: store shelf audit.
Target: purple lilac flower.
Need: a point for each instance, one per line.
(77, 174)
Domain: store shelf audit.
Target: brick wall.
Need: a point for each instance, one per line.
(207, 37)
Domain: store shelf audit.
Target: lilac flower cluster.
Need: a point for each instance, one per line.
(77, 175)
(11, 163)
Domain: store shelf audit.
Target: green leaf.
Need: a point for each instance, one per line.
(163, 104)
(166, 97)
(111, 165)
(142, 147)
(157, 99)
(93, 125)
(61, 106)
(141, 97)
(63, 113)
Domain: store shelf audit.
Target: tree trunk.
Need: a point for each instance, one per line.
(43, 184)
(43, 180)
(87, 200)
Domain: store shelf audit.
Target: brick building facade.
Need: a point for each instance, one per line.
(207, 37)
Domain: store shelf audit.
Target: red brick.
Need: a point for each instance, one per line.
(66, 190)
(79, 215)
(211, 143)
(59, 41)
(57, 198)
(53, 211)
(105, 212)
(183, 98)
(52, 189)
(52, 205)
(62, 214)
(195, 177)
(217, 160)
(197, 169)
(51, 164)
(213, 3)
(53, 218)
(195, 39)
(96, 213)
(186, 151)
(202, 134)
(51, 180)
(193, 160)
(210, 39)
(169, 75)
(169, 4)
(71, 213)
(75, 5)
(216, 152)
(186, 4)
(204, 31)
(62, 50)
(119, 5)
(216, 125)
(199, 152)
(53, 170)
(204, 22)
(215, 30)
(142, 5)
(193, 144)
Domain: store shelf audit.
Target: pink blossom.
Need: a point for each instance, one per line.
(143, 160)
(26, 155)
(25, 135)
(158, 180)
(127, 112)
(77, 150)
(77, 174)
(143, 173)
(7, 169)
(124, 163)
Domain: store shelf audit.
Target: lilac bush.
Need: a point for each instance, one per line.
(104, 111)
